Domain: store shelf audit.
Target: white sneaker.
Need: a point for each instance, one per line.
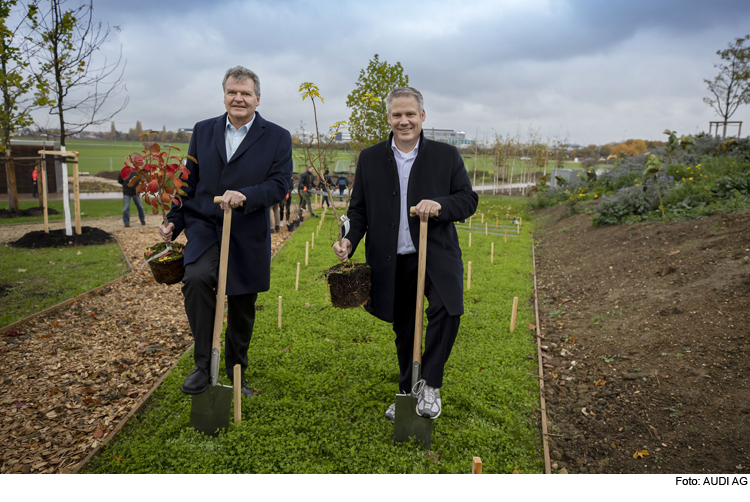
(429, 404)
(390, 413)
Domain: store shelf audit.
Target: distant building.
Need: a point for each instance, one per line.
(450, 136)
(342, 137)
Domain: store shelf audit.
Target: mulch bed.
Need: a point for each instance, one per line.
(69, 377)
(647, 343)
(57, 238)
(33, 211)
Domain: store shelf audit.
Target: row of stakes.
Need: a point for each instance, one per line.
(308, 246)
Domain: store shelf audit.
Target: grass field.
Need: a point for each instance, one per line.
(325, 378)
(89, 209)
(35, 279)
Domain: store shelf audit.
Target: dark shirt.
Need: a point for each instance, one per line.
(305, 180)
(127, 190)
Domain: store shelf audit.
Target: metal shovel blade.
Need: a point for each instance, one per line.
(408, 425)
(210, 410)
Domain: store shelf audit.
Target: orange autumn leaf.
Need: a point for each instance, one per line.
(640, 454)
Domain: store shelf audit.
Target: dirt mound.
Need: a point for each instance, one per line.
(110, 175)
(57, 238)
(34, 211)
(646, 334)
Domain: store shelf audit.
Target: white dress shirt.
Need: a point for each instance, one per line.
(404, 161)
(233, 137)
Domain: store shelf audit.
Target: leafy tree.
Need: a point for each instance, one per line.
(731, 87)
(70, 39)
(21, 92)
(377, 80)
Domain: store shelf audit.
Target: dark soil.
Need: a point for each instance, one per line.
(647, 341)
(5, 289)
(349, 285)
(110, 175)
(57, 238)
(34, 211)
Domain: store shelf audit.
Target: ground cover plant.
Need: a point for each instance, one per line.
(324, 380)
(89, 209)
(35, 279)
(690, 178)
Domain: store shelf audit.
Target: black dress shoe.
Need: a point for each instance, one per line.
(247, 391)
(196, 382)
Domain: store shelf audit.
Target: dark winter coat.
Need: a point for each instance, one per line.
(126, 189)
(260, 168)
(438, 174)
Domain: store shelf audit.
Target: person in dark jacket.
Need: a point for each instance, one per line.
(342, 183)
(306, 182)
(322, 185)
(247, 161)
(129, 193)
(404, 171)
(287, 204)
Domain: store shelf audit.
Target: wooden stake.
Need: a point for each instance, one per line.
(279, 312)
(307, 251)
(76, 196)
(513, 314)
(313, 241)
(482, 217)
(492, 252)
(468, 279)
(469, 239)
(296, 283)
(470, 217)
(237, 393)
(476, 465)
(518, 228)
(43, 178)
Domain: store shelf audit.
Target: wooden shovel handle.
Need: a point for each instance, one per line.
(222, 286)
(421, 268)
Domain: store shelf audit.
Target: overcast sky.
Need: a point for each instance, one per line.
(587, 70)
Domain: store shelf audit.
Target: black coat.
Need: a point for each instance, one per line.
(261, 169)
(438, 174)
(126, 188)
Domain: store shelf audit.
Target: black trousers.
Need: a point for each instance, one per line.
(442, 328)
(199, 289)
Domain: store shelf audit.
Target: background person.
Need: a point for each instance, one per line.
(252, 164)
(306, 182)
(129, 193)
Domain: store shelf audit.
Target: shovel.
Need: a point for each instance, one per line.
(210, 410)
(407, 424)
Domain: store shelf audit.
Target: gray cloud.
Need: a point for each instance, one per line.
(594, 71)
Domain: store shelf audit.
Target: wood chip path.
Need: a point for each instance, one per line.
(72, 375)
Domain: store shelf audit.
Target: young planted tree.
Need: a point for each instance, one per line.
(79, 85)
(21, 91)
(377, 80)
(731, 87)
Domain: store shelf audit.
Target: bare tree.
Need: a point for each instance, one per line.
(731, 87)
(80, 86)
(21, 92)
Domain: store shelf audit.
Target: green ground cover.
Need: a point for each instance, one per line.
(35, 279)
(89, 209)
(325, 379)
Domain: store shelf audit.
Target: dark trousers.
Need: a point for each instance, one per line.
(442, 328)
(199, 289)
(304, 202)
(288, 205)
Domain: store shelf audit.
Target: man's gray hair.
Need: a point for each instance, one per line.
(404, 92)
(241, 73)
